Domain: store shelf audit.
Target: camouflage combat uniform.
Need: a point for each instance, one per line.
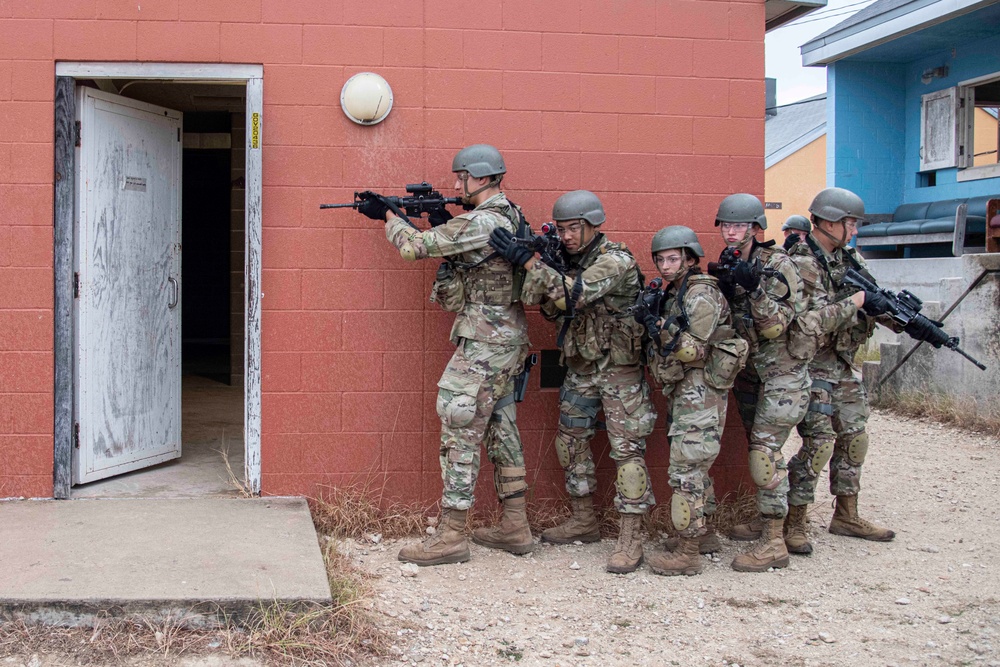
(832, 328)
(697, 392)
(602, 353)
(475, 393)
(772, 391)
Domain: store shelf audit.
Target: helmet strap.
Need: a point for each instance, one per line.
(467, 196)
(837, 243)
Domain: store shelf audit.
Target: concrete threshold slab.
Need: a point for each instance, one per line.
(188, 560)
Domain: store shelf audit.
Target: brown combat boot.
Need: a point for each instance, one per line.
(748, 532)
(771, 553)
(512, 533)
(582, 525)
(447, 545)
(627, 555)
(685, 560)
(796, 540)
(707, 544)
(847, 522)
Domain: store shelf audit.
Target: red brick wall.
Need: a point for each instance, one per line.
(655, 104)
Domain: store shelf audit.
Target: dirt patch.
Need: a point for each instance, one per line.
(931, 597)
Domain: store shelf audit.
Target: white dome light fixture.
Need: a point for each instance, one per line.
(366, 98)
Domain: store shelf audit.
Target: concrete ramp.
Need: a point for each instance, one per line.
(67, 561)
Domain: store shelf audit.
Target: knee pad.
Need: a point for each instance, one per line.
(857, 447)
(820, 457)
(763, 470)
(680, 511)
(632, 481)
(509, 481)
(562, 451)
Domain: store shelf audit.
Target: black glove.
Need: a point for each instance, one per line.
(503, 242)
(875, 303)
(921, 328)
(439, 216)
(790, 241)
(651, 323)
(373, 206)
(745, 276)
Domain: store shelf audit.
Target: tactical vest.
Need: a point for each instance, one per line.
(845, 341)
(741, 307)
(598, 331)
(727, 352)
(489, 280)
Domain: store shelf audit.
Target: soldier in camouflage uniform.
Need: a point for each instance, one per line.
(602, 350)
(475, 393)
(837, 321)
(695, 354)
(795, 229)
(772, 391)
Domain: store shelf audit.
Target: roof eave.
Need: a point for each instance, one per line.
(879, 30)
(794, 146)
(780, 12)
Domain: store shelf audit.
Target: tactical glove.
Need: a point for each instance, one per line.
(503, 242)
(651, 322)
(790, 241)
(745, 276)
(439, 216)
(875, 303)
(373, 206)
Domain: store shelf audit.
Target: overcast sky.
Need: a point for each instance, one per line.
(783, 60)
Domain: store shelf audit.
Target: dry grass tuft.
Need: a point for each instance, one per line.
(969, 415)
(358, 511)
(237, 481)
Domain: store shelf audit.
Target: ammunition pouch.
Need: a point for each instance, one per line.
(448, 290)
(727, 355)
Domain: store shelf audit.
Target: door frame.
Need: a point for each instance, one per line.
(64, 215)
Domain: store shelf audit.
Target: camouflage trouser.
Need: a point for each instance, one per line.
(479, 376)
(623, 393)
(769, 410)
(835, 423)
(698, 415)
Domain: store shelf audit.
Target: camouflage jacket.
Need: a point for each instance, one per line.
(763, 317)
(489, 313)
(709, 323)
(836, 327)
(610, 281)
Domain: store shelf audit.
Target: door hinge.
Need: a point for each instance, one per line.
(178, 134)
(76, 285)
(76, 435)
(78, 133)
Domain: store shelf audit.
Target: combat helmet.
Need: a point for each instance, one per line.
(797, 222)
(579, 205)
(480, 160)
(741, 207)
(835, 204)
(677, 236)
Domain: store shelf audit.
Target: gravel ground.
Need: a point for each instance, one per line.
(931, 597)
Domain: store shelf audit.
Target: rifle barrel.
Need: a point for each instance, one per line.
(351, 205)
(968, 356)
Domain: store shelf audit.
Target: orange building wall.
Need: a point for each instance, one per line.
(794, 182)
(656, 105)
(984, 134)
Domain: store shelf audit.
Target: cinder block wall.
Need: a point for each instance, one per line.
(656, 105)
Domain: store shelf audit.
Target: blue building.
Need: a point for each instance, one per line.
(905, 79)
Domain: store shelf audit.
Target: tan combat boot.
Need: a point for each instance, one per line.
(847, 522)
(685, 560)
(748, 532)
(512, 533)
(627, 555)
(707, 544)
(447, 545)
(796, 540)
(581, 526)
(771, 553)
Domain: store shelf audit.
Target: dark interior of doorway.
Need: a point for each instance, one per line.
(205, 244)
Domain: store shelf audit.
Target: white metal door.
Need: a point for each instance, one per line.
(127, 256)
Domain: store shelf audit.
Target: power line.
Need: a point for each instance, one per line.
(811, 19)
(829, 10)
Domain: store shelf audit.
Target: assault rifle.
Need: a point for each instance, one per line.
(648, 306)
(549, 247)
(904, 309)
(730, 259)
(424, 199)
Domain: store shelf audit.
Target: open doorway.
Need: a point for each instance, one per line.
(217, 376)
